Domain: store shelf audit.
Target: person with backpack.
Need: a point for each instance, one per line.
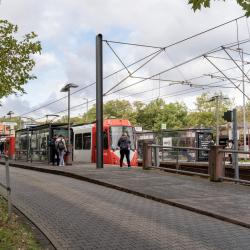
(61, 148)
(124, 145)
(54, 151)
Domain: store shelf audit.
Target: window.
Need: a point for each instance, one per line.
(78, 141)
(117, 131)
(86, 141)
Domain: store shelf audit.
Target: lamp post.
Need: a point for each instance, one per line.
(10, 113)
(217, 98)
(47, 116)
(67, 88)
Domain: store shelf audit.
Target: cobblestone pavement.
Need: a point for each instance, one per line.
(80, 215)
(225, 199)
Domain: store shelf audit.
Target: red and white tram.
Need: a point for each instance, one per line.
(85, 142)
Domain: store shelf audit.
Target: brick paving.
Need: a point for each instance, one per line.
(225, 199)
(81, 215)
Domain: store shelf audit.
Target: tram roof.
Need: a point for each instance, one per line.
(43, 126)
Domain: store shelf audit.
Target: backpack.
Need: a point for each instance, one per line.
(52, 143)
(124, 143)
(61, 145)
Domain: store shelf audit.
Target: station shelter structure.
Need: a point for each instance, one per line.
(32, 143)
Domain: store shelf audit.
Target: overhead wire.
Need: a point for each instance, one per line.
(160, 49)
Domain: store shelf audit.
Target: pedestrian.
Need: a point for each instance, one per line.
(61, 148)
(53, 150)
(124, 145)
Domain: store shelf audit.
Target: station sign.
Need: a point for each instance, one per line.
(204, 140)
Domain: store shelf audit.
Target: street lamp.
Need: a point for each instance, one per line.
(47, 116)
(10, 113)
(217, 98)
(67, 88)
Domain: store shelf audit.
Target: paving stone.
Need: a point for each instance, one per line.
(80, 215)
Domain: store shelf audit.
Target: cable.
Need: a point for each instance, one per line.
(227, 78)
(183, 40)
(106, 77)
(120, 60)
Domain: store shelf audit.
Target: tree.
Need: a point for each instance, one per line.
(152, 115)
(16, 62)
(197, 4)
(205, 116)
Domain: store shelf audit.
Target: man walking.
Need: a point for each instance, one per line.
(124, 145)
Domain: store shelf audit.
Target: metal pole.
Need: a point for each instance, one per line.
(235, 145)
(69, 117)
(99, 102)
(8, 186)
(217, 120)
(244, 105)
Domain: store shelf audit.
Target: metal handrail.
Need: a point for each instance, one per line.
(174, 147)
(233, 151)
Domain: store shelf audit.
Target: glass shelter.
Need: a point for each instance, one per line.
(32, 144)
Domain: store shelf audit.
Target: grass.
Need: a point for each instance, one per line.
(14, 234)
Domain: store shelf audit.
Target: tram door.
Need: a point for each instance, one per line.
(106, 154)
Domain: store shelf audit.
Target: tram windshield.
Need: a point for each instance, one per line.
(117, 131)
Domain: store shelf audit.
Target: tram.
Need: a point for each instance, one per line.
(84, 142)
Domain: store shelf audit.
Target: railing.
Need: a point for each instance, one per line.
(31, 155)
(153, 156)
(235, 165)
(7, 185)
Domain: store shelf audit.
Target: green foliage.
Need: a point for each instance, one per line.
(152, 115)
(13, 234)
(197, 4)
(206, 106)
(16, 62)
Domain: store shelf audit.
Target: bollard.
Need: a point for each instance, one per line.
(147, 156)
(216, 168)
(8, 187)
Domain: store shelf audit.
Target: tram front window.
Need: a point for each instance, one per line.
(117, 131)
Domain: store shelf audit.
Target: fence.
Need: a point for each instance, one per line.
(7, 185)
(154, 155)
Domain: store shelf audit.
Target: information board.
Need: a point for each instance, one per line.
(204, 140)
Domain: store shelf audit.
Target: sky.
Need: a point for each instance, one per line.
(67, 30)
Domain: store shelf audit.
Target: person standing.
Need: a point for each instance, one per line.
(124, 145)
(61, 148)
(54, 151)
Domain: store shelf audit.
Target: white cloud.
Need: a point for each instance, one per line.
(67, 31)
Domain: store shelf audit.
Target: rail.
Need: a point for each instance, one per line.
(7, 185)
(155, 160)
(216, 160)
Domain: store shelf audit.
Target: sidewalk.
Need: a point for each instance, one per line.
(225, 201)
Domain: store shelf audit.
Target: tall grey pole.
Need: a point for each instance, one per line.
(235, 145)
(99, 103)
(69, 142)
(217, 120)
(244, 105)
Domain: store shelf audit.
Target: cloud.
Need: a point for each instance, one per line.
(67, 31)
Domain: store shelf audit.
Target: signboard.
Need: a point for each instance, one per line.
(9, 124)
(204, 140)
(138, 129)
(167, 141)
(163, 126)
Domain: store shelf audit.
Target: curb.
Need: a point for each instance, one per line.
(126, 190)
